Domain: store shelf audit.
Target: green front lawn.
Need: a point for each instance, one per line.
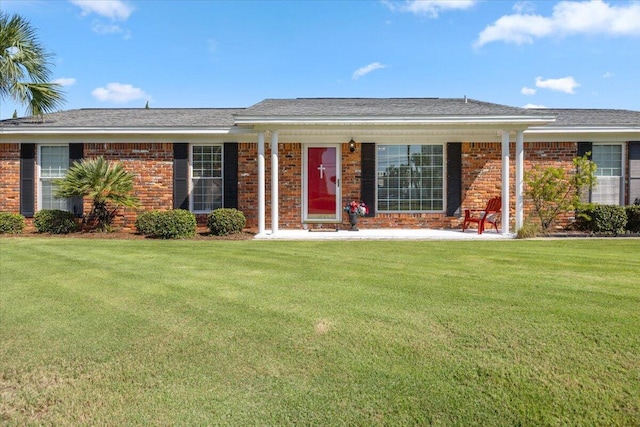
(111, 332)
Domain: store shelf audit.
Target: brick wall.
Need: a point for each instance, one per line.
(152, 165)
(482, 170)
(10, 178)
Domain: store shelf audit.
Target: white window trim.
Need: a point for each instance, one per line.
(444, 179)
(623, 169)
(191, 201)
(39, 178)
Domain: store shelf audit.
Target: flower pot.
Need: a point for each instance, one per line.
(353, 220)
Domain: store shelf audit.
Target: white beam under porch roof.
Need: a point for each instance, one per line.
(261, 184)
(519, 184)
(505, 182)
(275, 204)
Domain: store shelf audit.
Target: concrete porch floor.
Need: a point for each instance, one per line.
(382, 234)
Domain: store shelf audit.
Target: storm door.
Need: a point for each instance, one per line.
(321, 180)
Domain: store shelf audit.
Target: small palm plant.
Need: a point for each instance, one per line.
(107, 184)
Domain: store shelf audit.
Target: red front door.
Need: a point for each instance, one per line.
(322, 184)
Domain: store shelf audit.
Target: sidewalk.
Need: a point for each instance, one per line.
(382, 234)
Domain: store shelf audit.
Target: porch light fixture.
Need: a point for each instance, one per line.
(352, 145)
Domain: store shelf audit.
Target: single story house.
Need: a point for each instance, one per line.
(295, 163)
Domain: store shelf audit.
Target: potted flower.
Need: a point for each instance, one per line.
(354, 210)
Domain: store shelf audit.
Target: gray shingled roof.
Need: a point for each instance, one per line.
(318, 108)
(132, 118)
(577, 117)
(380, 107)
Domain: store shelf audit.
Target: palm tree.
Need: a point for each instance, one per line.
(108, 185)
(24, 67)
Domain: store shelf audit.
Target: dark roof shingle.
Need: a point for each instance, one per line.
(132, 118)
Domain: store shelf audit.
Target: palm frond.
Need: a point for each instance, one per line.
(24, 67)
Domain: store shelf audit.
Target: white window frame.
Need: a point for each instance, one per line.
(444, 177)
(40, 179)
(191, 177)
(623, 156)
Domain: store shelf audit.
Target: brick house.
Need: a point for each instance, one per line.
(295, 163)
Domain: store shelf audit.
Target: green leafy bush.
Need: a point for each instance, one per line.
(603, 219)
(146, 222)
(633, 218)
(555, 191)
(11, 223)
(54, 221)
(173, 224)
(225, 221)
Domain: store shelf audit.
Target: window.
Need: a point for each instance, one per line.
(410, 178)
(609, 179)
(54, 163)
(206, 178)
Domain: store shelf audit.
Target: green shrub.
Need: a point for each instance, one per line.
(225, 221)
(603, 219)
(633, 218)
(11, 223)
(173, 224)
(54, 221)
(584, 216)
(146, 222)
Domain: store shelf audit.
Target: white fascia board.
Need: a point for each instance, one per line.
(339, 120)
(112, 131)
(581, 130)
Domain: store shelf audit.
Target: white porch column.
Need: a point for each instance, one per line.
(519, 180)
(261, 184)
(505, 182)
(274, 182)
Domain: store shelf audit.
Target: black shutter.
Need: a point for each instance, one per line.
(634, 171)
(76, 153)
(230, 177)
(454, 178)
(584, 148)
(368, 180)
(27, 179)
(181, 176)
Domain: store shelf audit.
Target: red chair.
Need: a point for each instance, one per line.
(481, 216)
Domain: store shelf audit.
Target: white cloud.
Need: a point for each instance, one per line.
(564, 84)
(430, 8)
(528, 91)
(119, 93)
(103, 29)
(608, 75)
(366, 70)
(113, 9)
(534, 106)
(65, 81)
(524, 7)
(567, 18)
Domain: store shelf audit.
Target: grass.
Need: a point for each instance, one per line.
(109, 332)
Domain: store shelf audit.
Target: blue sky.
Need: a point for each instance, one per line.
(235, 53)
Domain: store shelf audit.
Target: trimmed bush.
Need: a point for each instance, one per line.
(146, 222)
(11, 223)
(633, 218)
(173, 224)
(603, 219)
(225, 221)
(54, 221)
